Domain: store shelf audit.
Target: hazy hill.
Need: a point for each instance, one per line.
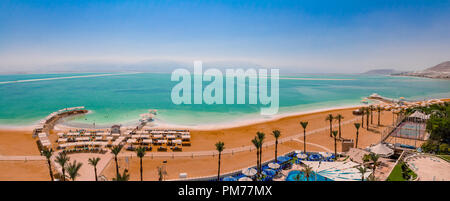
(381, 72)
(442, 67)
(440, 71)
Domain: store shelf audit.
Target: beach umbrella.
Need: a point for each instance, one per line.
(229, 179)
(269, 172)
(245, 179)
(274, 165)
(249, 172)
(283, 159)
(315, 156)
(302, 156)
(326, 154)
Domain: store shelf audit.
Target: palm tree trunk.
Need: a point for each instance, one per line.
(339, 128)
(64, 174)
(362, 120)
(367, 121)
(218, 169)
(331, 128)
(371, 117)
(335, 149)
(117, 165)
(50, 169)
(257, 160)
(276, 150)
(141, 167)
(357, 135)
(379, 114)
(260, 159)
(304, 140)
(95, 172)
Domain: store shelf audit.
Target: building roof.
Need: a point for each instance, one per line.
(382, 150)
(357, 155)
(419, 115)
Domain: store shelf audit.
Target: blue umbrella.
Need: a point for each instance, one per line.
(269, 172)
(283, 159)
(315, 156)
(229, 179)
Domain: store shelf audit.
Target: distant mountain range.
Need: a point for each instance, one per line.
(381, 72)
(440, 71)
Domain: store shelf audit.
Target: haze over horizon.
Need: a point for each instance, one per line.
(157, 36)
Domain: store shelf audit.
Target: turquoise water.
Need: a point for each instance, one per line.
(297, 175)
(121, 98)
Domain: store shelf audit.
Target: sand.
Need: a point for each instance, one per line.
(24, 171)
(21, 143)
(17, 142)
(237, 137)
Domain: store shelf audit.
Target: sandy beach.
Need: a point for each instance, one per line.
(14, 142)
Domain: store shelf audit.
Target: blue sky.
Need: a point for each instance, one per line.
(302, 36)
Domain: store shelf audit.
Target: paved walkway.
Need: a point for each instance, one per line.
(22, 158)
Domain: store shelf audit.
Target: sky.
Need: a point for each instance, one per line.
(294, 36)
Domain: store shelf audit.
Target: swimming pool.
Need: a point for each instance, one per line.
(297, 175)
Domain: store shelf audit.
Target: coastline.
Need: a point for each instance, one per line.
(210, 126)
(229, 125)
(250, 119)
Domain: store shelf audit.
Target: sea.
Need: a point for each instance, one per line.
(120, 98)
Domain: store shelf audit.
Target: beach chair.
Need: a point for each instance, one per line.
(176, 148)
(161, 148)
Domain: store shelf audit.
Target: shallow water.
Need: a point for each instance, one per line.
(121, 98)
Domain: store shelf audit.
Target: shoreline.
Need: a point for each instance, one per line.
(201, 127)
(229, 125)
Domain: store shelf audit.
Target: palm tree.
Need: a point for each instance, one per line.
(339, 117)
(276, 134)
(94, 162)
(219, 147)
(140, 152)
(304, 125)
(62, 159)
(72, 169)
(261, 137)
(116, 150)
(362, 116)
(256, 143)
(374, 158)
(307, 171)
(363, 171)
(335, 144)
(357, 125)
(48, 154)
(124, 177)
(371, 108)
(379, 114)
(367, 117)
(330, 119)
